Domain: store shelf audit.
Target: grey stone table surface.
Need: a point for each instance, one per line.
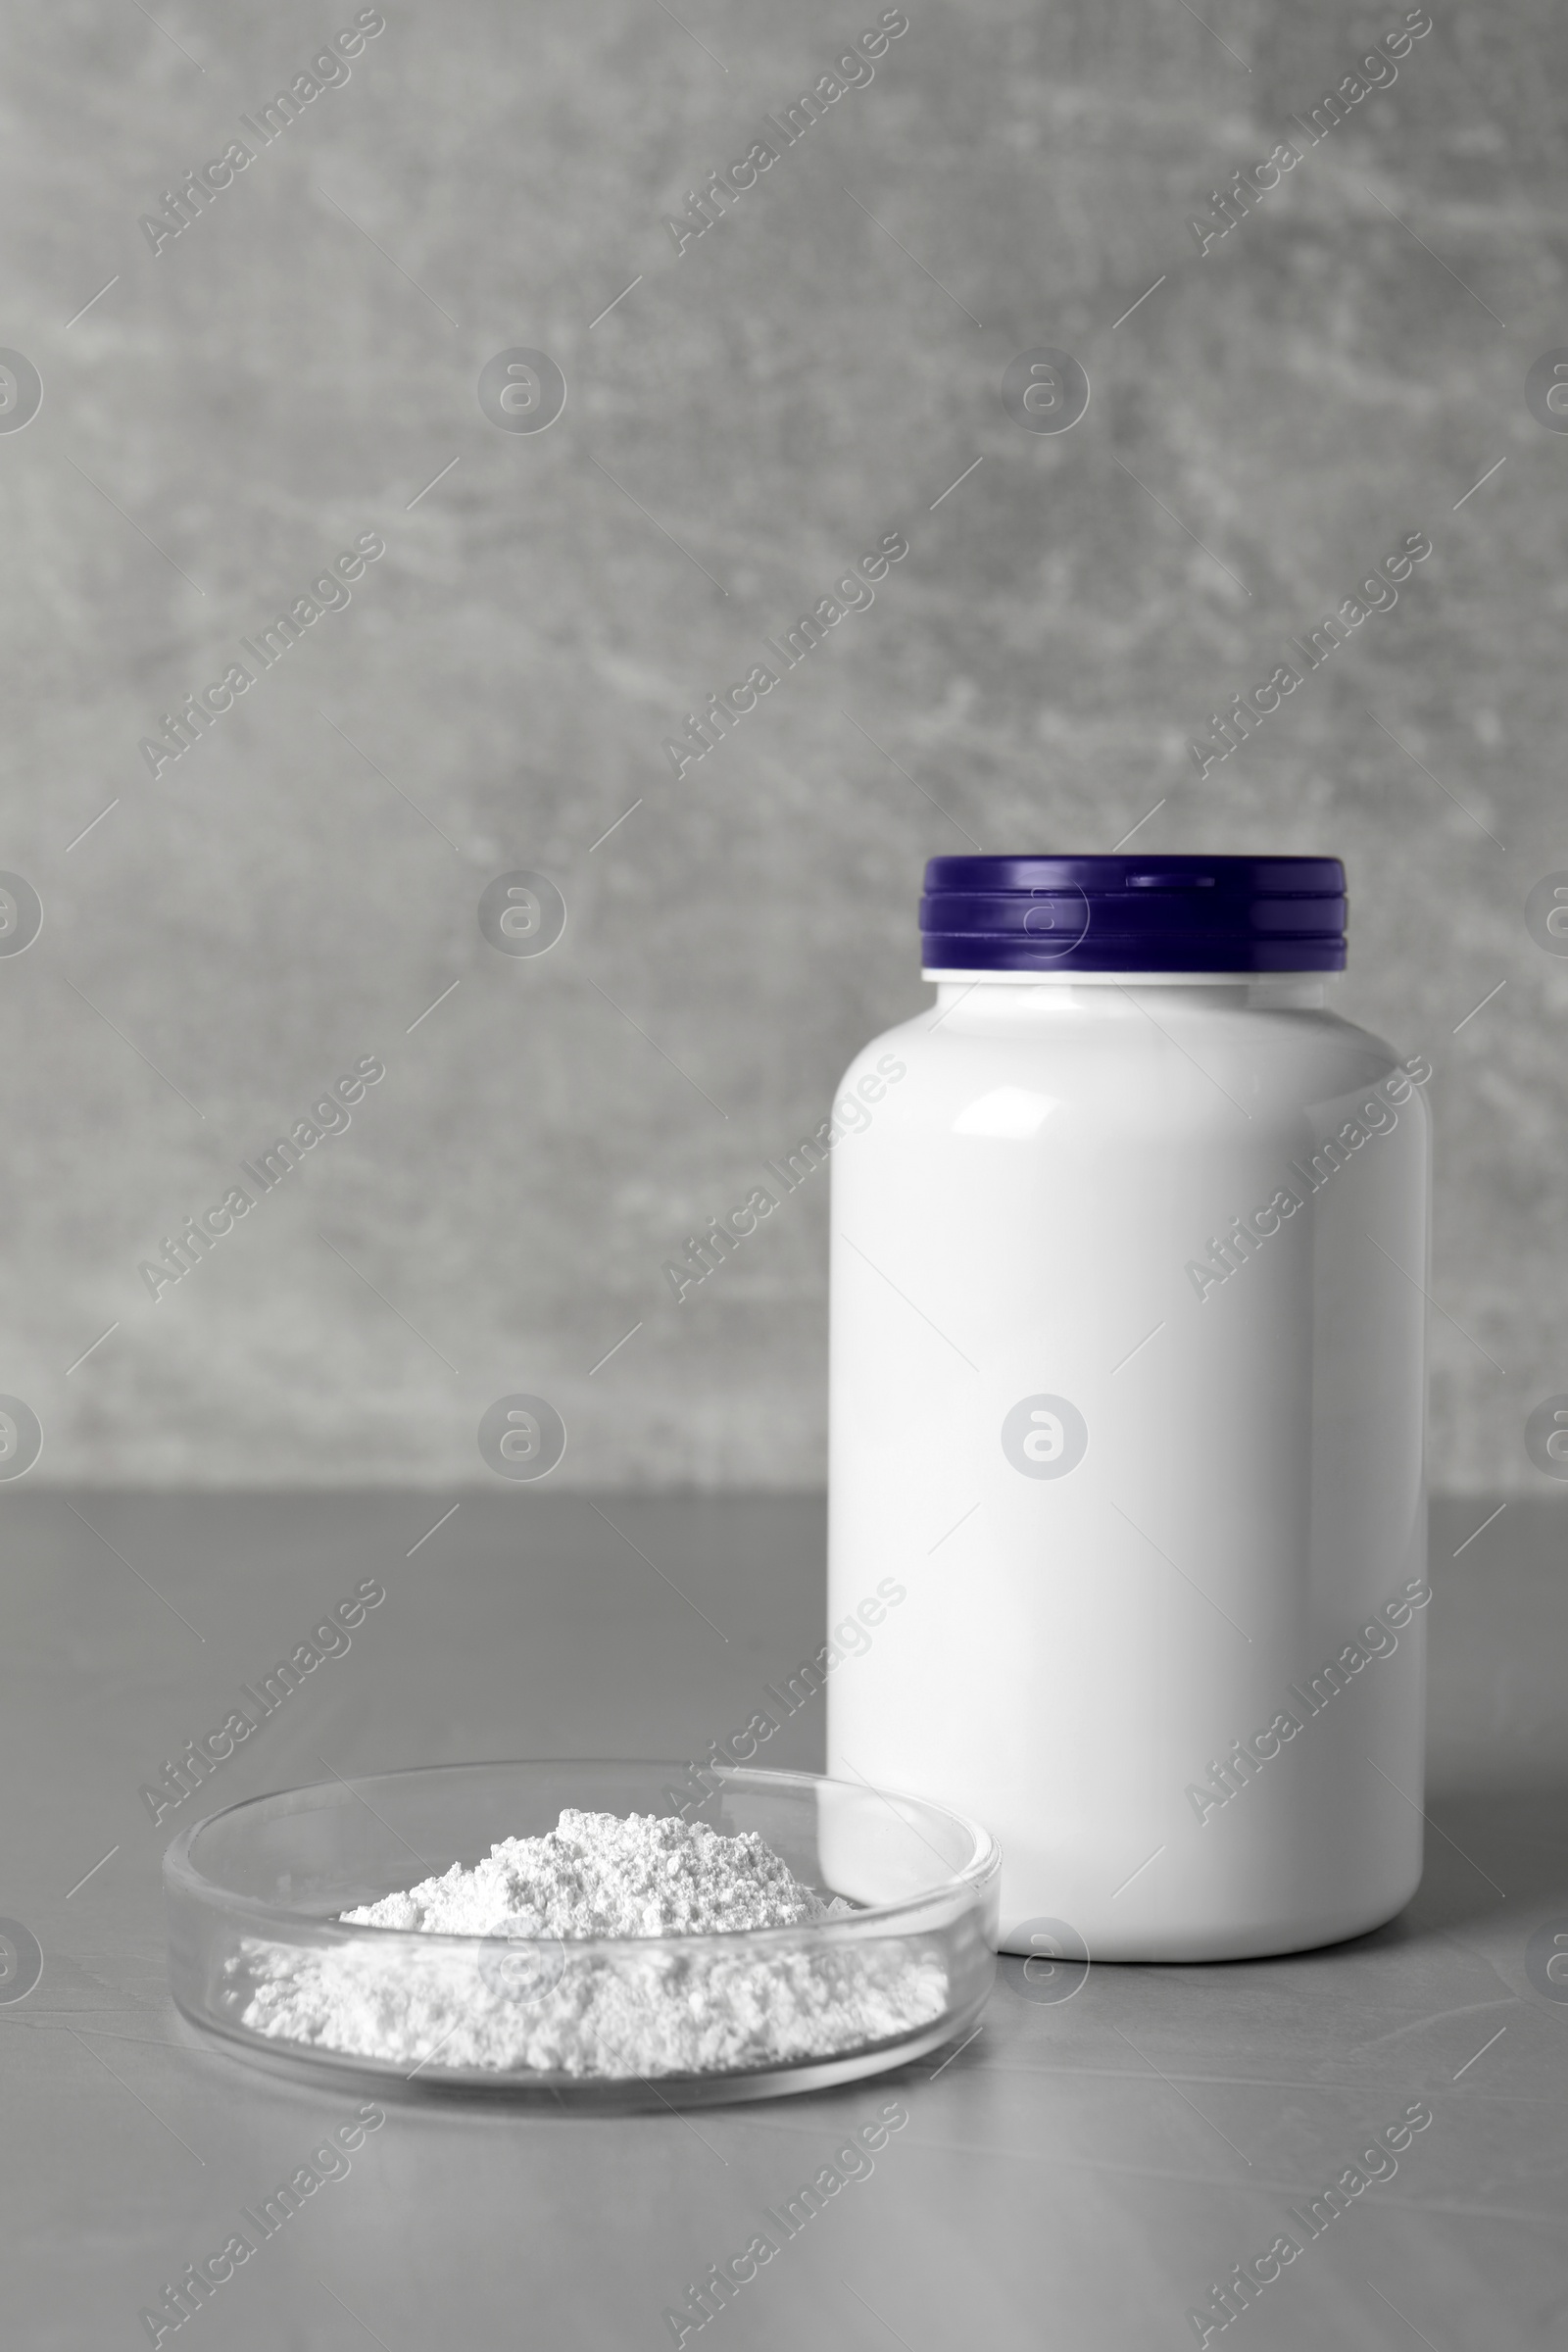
(1080, 2174)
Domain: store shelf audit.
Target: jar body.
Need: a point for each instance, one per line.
(1127, 1400)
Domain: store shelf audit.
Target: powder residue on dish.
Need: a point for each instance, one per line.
(534, 2005)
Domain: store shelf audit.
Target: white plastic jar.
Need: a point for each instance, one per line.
(1127, 1394)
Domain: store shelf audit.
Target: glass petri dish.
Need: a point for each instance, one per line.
(259, 1953)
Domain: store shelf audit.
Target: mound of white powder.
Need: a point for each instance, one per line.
(537, 2007)
(596, 1875)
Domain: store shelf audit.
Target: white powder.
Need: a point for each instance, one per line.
(596, 1875)
(539, 2008)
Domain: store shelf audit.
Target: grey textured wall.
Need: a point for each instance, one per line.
(292, 894)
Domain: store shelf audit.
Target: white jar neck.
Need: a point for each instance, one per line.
(1036, 995)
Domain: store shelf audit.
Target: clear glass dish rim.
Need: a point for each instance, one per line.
(183, 1877)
